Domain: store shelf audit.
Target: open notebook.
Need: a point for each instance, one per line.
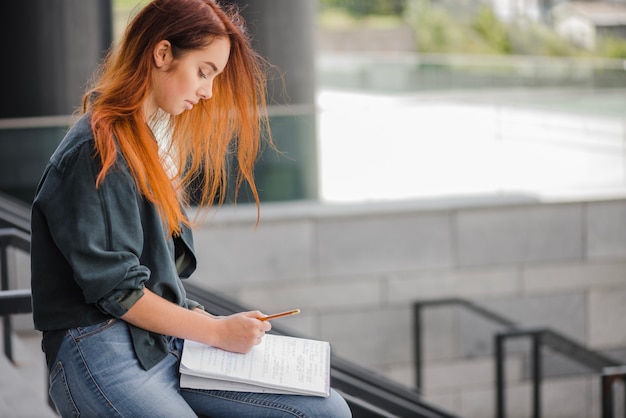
(280, 364)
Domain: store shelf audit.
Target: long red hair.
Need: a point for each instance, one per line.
(203, 138)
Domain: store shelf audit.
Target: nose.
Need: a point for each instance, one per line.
(206, 91)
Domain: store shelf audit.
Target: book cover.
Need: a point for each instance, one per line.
(280, 364)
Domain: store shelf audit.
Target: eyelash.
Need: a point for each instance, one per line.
(202, 75)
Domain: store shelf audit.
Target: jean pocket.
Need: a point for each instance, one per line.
(89, 330)
(60, 393)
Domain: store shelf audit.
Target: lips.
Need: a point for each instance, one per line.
(189, 104)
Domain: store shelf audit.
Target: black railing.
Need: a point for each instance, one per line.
(14, 213)
(418, 307)
(542, 336)
(11, 301)
(610, 370)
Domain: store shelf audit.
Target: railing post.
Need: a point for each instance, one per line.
(499, 369)
(606, 382)
(537, 374)
(609, 375)
(6, 320)
(417, 341)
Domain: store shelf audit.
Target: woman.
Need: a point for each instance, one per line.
(110, 240)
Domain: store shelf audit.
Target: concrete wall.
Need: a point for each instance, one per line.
(355, 272)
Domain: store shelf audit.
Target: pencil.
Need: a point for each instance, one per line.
(280, 315)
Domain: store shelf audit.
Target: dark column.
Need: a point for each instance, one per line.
(283, 31)
(50, 50)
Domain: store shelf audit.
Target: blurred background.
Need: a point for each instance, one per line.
(458, 97)
(452, 174)
(442, 97)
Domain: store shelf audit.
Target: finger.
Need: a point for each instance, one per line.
(254, 314)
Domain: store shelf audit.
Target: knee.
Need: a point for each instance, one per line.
(336, 407)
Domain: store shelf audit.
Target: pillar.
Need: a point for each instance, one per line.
(50, 50)
(283, 32)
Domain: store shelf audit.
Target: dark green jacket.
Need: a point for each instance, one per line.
(94, 249)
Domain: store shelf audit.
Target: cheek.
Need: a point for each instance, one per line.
(169, 90)
(173, 89)
(183, 84)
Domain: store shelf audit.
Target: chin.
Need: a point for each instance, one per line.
(176, 112)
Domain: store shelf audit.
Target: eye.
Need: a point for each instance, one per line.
(201, 74)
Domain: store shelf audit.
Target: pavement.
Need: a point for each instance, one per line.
(23, 387)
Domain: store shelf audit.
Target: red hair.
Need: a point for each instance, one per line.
(201, 138)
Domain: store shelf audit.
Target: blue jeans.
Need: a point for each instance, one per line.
(97, 375)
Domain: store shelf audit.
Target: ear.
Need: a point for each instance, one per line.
(162, 54)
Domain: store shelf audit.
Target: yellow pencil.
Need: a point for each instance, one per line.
(280, 315)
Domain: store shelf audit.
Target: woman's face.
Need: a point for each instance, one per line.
(177, 85)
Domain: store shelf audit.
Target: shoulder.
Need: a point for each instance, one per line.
(79, 137)
(76, 164)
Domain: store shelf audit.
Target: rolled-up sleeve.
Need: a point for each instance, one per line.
(192, 304)
(99, 231)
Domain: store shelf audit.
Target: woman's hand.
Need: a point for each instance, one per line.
(241, 331)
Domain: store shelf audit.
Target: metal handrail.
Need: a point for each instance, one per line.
(417, 323)
(558, 342)
(14, 213)
(15, 302)
(11, 237)
(609, 368)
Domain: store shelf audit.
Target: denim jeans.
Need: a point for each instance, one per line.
(96, 374)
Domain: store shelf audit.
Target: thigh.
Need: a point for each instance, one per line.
(222, 404)
(96, 374)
